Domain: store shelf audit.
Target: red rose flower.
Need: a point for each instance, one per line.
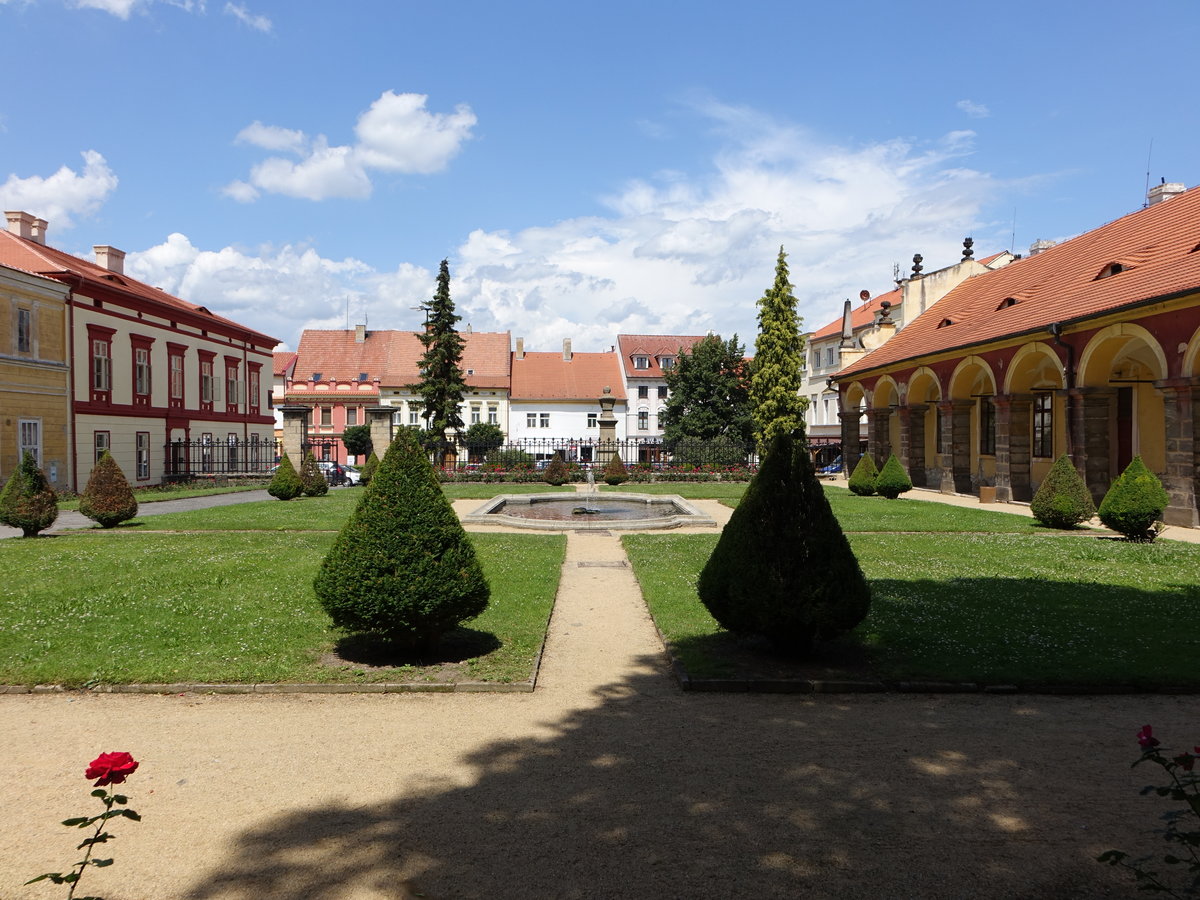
(111, 768)
(1146, 738)
(1185, 761)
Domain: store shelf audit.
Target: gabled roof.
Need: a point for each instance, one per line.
(860, 316)
(284, 359)
(547, 376)
(1158, 249)
(393, 357)
(23, 253)
(653, 347)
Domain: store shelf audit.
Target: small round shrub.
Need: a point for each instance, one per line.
(402, 566)
(285, 484)
(615, 472)
(1063, 499)
(108, 499)
(369, 468)
(892, 480)
(27, 501)
(312, 477)
(862, 479)
(556, 471)
(1135, 503)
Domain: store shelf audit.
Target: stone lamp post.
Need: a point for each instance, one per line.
(608, 427)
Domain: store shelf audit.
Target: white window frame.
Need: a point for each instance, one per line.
(101, 365)
(29, 437)
(641, 362)
(141, 371)
(101, 441)
(544, 420)
(531, 420)
(142, 457)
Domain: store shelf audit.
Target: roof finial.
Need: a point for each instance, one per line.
(916, 267)
(968, 251)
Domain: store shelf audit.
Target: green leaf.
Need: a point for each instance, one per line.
(80, 821)
(100, 792)
(56, 877)
(120, 798)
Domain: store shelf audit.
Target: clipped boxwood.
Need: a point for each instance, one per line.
(27, 501)
(892, 480)
(556, 471)
(312, 477)
(402, 567)
(615, 472)
(1062, 499)
(285, 483)
(108, 499)
(368, 470)
(1135, 503)
(782, 567)
(862, 479)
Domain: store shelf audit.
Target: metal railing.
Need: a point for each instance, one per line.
(189, 459)
(590, 452)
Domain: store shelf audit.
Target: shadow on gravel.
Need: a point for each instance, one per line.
(653, 793)
(457, 645)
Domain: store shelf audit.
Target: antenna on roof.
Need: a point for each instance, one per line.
(1146, 192)
(1012, 247)
(347, 312)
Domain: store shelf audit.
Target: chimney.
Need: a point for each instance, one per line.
(20, 223)
(110, 258)
(1039, 245)
(1164, 191)
(40, 227)
(520, 354)
(566, 349)
(360, 333)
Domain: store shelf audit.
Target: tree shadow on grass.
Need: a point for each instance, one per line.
(375, 651)
(648, 792)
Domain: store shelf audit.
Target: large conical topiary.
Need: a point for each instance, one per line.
(556, 471)
(312, 477)
(108, 498)
(615, 472)
(402, 566)
(1135, 503)
(1062, 499)
(862, 479)
(782, 567)
(285, 483)
(27, 501)
(892, 480)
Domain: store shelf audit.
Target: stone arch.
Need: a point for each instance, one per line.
(924, 386)
(1034, 430)
(1190, 367)
(972, 391)
(924, 427)
(1124, 350)
(972, 376)
(1035, 366)
(887, 392)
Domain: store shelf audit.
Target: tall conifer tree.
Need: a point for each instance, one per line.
(778, 363)
(442, 384)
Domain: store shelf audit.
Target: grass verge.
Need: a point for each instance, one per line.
(174, 492)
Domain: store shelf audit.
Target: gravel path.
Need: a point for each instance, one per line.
(606, 782)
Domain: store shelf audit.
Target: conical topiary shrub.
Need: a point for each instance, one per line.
(312, 477)
(782, 567)
(556, 471)
(285, 484)
(615, 472)
(1062, 499)
(368, 470)
(1135, 502)
(108, 498)
(862, 479)
(892, 480)
(402, 567)
(27, 501)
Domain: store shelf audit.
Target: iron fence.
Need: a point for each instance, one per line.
(244, 458)
(648, 452)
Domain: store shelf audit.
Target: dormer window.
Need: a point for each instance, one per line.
(1006, 303)
(666, 362)
(362, 376)
(945, 322)
(316, 376)
(1114, 268)
(641, 362)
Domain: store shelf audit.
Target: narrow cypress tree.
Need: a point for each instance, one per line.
(778, 364)
(369, 469)
(615, 472)
(556, 472)
(442, 384)
(285, 483)
(27, 501)
(402, 567)
(108, 498)
(1062, 499)
(892, 480)
(312, 477)
(782, 567)
(1135, 503)
(862, 479)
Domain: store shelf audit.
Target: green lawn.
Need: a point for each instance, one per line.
(1033, 608)
(125, 607)
(174, 492)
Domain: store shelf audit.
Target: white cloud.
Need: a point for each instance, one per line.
(119, 8)
(60, 197)
(974, 110)
(396, 134)
(243, 15)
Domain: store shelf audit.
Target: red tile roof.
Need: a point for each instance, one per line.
(860, 316)
(652, 346)
(283, 361)
(1159, 246)
(392, 357)
(23, 253)
(547, 376)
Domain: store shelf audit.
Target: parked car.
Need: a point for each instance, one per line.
(336, 473)
(833, 468)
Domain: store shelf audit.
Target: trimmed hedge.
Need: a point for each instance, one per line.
(862, 479)
(108, 499)
(1135, 503)
(285, 484)
(782, 567)
(27, 501)
(556, 472)
(615, 472)
(312, 477)
(368, 470)
(402, 567)
(892, 480)
(1062, 499)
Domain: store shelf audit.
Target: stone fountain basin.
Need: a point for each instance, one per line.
(608, 512)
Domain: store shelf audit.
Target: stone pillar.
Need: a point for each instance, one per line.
(946, 446)
(380, 419)
(607, 421)
(851, 429)
(912, 421)
(873, 433)
(883, 440)
(1180, 432)
(1020, 447)
(904, 451)
(1095, 411)
(1003, 456)
(295, 432)
(960, 444)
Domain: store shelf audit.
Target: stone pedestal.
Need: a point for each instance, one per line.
(295, 432)
(607, 421)
(380, 420)
(1180, 434)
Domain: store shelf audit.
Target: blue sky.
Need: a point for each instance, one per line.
(588, 168)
